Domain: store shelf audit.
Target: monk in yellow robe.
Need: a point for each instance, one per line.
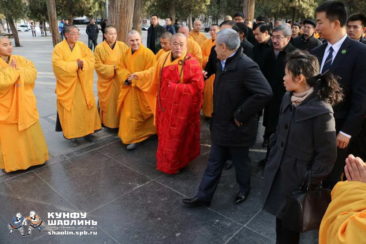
(345, 219)
(73, 65)
(108, 56)
(207, 107)
(136, 121)
(22, 143)
(193, 47)
(165, 44)
(196, 33)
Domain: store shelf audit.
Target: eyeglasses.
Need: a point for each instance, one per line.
(177, 44)
(277, 37)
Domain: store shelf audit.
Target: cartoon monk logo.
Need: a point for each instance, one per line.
(20, 223)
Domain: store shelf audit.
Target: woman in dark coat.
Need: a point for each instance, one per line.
(305, 136)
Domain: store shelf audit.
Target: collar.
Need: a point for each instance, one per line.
(311, 107)
(228, 59)
(336, 46)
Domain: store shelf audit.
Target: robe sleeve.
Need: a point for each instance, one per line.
(61, 67)
(28, 72)
(88, 59)
(345, 219)
(104, 70)
(8, 76)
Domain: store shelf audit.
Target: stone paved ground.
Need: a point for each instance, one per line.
(122, 191)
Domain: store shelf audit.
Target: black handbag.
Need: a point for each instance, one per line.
(306, 207)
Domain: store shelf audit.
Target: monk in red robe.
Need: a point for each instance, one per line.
(176, 82)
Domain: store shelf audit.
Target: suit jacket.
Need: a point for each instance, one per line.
(274, 70)
(350, 66)
(240, 91)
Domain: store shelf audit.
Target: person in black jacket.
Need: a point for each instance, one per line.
(356, 27)
(262, 34)
(247, 47)
(92, 31)
(305, 139)
(240, 93)
(307, 41)
(274, 70)
(346, 59)
(154, 33)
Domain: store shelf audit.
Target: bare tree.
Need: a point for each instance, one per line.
(249, 9)
(52, 16)
(121, 16)
(137, 15)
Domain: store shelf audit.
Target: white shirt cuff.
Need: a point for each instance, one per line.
(346, 135)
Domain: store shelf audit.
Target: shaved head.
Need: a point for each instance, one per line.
(197, 25)
(6, 47)
(165, 40)
(184, 30)
(134, 40)
(179, 45)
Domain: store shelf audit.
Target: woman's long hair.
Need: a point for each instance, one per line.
(325, 85)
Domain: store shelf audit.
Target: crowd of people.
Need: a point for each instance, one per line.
(307, 80)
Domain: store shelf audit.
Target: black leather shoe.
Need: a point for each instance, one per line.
(228, 165)
(195, 202)
(241, 197)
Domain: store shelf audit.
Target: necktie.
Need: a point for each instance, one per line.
(328, 61)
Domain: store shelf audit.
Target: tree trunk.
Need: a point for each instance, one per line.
(14, 30)
(190, 22)
(249, 9)
(125, 20)
(172, 12)
(137, 19)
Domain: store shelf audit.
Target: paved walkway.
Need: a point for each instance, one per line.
(122, 191)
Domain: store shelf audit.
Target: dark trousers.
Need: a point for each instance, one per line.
(216, 162)
(338, 169)
(285, 236)
(92, 43)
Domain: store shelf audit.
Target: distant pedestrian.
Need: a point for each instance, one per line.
(33, 28)
(92, 31)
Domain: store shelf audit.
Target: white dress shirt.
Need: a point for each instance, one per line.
(336, 46)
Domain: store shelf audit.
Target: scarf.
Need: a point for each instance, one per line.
(298, 97)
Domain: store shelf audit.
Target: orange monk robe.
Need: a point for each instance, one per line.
(199, 37)
(106, 59)
(345, 219)
(136, 122)
(207, 107)
(76, 107)
(22, 143)
(194, 49)
(160, 53)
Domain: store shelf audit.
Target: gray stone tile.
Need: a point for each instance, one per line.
(246, 236)
(91, 180)
(264, 224)
(154, 214)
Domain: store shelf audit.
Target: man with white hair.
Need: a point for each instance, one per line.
(240, 93)
(196, 33)
(136, 122)
(176, 83)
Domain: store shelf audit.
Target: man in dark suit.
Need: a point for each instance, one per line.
(307, 41)
(240, 93)
(262, 34)
(153, 34)
(356, 27)
(345, 58)
(274, 70)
